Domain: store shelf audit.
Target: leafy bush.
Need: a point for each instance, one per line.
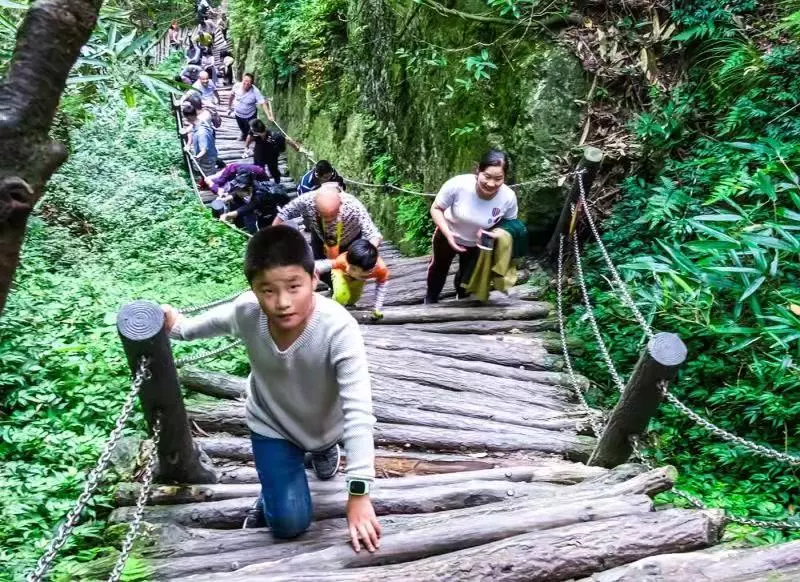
(118, 223)
(710, 247)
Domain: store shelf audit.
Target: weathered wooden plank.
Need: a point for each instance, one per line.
(442, 312)
(230, 513)
(551, 555)
(572, 446)
(127, 493)
(417, 359)
(229, 416)
(777, 563)
(422, 384)
(558, 472)
(484, 326)
(414, 540)
(475, 348)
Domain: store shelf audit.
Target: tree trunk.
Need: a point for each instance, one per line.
(765, 564)
(414, 538)
(48, 42)
(550, 555)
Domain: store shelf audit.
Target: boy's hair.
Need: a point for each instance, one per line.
(257, 126)
(362, 254)
(277, 246)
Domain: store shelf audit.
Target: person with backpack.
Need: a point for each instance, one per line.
(252, 202)
(202, 145)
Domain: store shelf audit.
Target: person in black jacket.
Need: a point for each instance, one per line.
(252, 203)
(267, 147)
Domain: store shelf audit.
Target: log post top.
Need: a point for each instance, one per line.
(140, 320)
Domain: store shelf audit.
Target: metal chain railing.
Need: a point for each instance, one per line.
(96, 475)
(698, 503)
(207, 354)
(628, 301)
(596, 425)
(144, 495)
(204, 306)
(601, 344)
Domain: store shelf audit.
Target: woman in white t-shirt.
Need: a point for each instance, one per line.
(465, 206)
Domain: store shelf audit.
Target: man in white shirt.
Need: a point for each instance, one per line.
(244, 102)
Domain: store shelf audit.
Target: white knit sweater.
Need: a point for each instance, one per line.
(315, 392)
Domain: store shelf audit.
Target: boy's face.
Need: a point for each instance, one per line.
(286, 295)
(357, 272)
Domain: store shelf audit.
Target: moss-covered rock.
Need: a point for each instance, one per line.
(384, 84)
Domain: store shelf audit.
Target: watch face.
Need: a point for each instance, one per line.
(358, 487)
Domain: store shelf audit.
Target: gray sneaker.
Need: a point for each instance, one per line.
(326, 463)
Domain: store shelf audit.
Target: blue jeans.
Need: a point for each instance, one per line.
(284, 487)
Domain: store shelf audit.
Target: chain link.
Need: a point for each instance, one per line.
(203, 307)
(207, 354)
(698, 503)
(592, 321)
(596, 425)
(628, 301)
(144, 495)
(93, 480)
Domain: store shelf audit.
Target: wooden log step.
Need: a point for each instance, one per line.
(188, 541)
(127, 493)
(408, 540)
(508, 401)
(475, 348)
(557, 471)
(571, 446)
(483, 326)
(434, 375)
(777, 563)
(441, 312)
(230, 513)
(486, 369)
(396, 463)
(230, 418)
(555, 554)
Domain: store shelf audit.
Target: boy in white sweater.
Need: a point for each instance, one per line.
(308, 386)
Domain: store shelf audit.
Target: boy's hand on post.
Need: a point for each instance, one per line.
(171, 317)
(362, 523)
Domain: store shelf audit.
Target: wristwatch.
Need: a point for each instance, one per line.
(357, 487)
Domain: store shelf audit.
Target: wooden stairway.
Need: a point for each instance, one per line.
(479, 450)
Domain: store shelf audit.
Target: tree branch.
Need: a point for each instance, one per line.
(547, 22)
(48, 43)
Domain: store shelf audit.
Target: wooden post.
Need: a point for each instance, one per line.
(141, 328)
(659, 361)
(591, 163)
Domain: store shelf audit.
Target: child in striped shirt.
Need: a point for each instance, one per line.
(352, 269)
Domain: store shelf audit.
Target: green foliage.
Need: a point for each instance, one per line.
(98, 240)
(711, 248)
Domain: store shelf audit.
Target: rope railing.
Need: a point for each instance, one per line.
(384, 187)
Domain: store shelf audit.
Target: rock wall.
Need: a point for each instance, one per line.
(395, 92)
